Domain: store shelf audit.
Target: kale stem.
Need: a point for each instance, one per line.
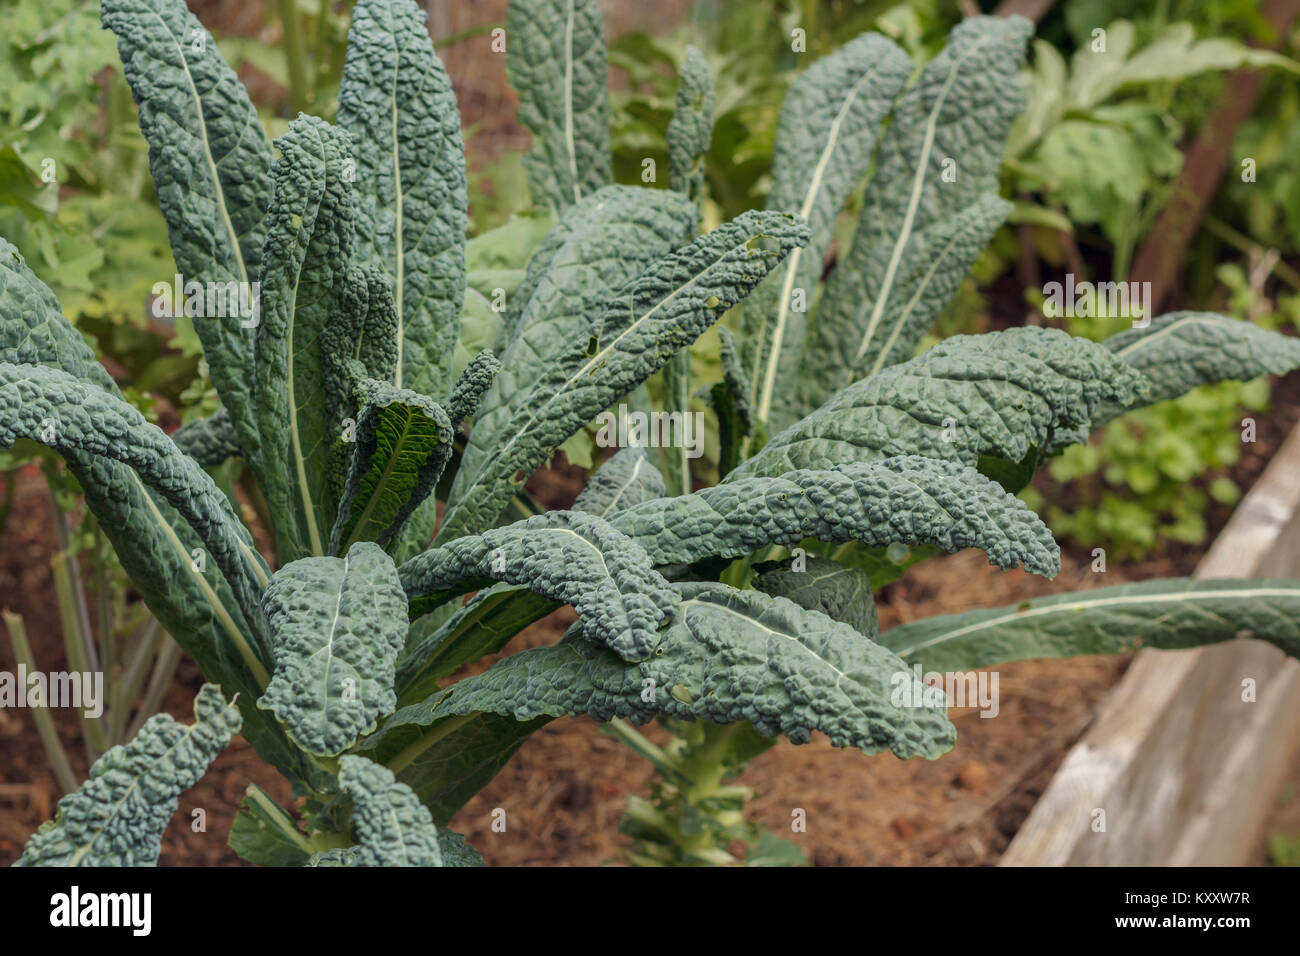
(44, 722)
(294, 54)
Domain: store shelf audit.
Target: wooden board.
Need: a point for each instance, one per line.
(1185, 770)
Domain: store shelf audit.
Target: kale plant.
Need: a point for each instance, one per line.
(342, 400)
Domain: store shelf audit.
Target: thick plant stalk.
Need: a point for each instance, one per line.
(294, 53)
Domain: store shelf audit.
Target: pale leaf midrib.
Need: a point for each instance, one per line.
(1074, 607)
(792, 264)
(382, 481)
(596, 360)
(207, 154)
(914, 201)
(570, 145)
(250, 659)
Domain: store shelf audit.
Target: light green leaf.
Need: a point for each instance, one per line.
(906, 499)
(556, 62)
(392, 828)
(210, 158)
(480, 327)
(398, 104)
(628, 478)
(841, 593)
(1174, 55)
(308, 246)
(264, 833)
(567, 556)
(508, 247)
(1001, 394)
(117, 817)
(403, 443)
(1167, 614)
(691, 129)
(664, 310)
(337, 624)
(829, 125)
(930, 209)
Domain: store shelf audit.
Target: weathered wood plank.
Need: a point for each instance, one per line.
(1185, 769)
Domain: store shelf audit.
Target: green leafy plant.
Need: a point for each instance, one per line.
(342, 402)
(1091, 146)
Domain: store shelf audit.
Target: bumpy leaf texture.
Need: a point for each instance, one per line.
(1000, 394)
(397, 102)
(691, 129)
(393, 829)
(117, 817)
(52, 407)
(359, 341)
(567, 556)
(209, 441)
(1180, 350)
(153, 542)
(628, 478)
(598, 247)
(338, 624)
(727, 655)
(840, 592)
(308, 245)
(556, 62)
(210, 159)
(1167, 614)
(471, 386)
(829, 125)
(907, 499)
(670, 305)
(930, 208)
